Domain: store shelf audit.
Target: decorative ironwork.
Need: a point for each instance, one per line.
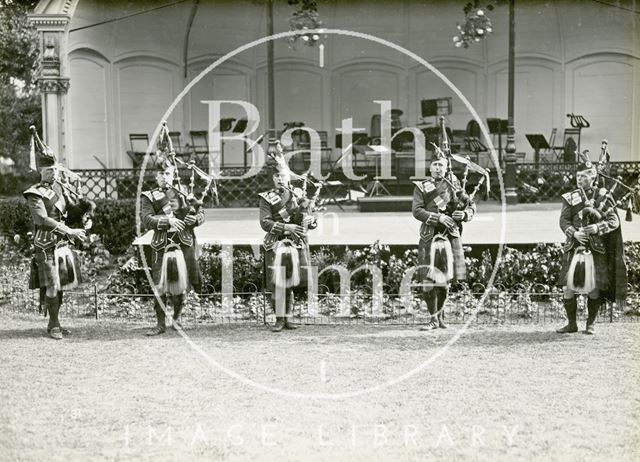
(501, 306)
(550, 181)
(123, 184)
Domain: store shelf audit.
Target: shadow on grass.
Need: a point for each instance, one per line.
(112, 331)
(493, 337)
(404, 337)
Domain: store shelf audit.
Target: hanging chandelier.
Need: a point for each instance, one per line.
(305, 18)
(476, 26)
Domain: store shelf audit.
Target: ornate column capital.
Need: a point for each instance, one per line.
(54, 85)
(50, 22)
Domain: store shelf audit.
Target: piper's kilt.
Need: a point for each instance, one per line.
(44, 270)
(193, 270)
(269, 257)
(424, 260)
(599, 263)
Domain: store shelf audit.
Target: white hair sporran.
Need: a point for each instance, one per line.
(286, 264)
(173, 272)
(440, 260)
(581, 277)
(67, 268)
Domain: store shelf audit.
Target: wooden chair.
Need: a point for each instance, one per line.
(333, 185)
(551, 154)
(324, 138)
(181, 151)
(570, 143)
(200, 148)
(475, 147)
(139, 144)
(457, 140)
(175, 140)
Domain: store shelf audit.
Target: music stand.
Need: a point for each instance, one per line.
(537, 142)
(498, 127)
(377, 188)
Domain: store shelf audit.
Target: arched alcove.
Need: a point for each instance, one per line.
(604, 87)
(300, 92)
(144, 87)
(89, 107)
(466, 75)
(357, 85)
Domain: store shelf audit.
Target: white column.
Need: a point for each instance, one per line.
(52, 79)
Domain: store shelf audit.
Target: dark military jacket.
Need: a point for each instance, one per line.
(155, 211)
(48, 207)
(571, 217)
(276, 210)
(431, 198)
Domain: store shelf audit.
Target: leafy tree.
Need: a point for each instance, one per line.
(20, 104)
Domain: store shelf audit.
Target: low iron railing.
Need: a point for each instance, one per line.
(248, 305)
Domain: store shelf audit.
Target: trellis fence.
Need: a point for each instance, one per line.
(547, 182)
(123, 184)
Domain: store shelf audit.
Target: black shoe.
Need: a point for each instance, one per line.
(570, 307)
(156, 330)
(55, 333)
(593, 306)
(279, 325)
(568, 329)
(62, 329)
(288, 325)
(441, 324)
(431, 325)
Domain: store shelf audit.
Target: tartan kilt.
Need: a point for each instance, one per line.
(193, 269)
(304, 259)
(424, 260)
(599, 262)
(44, 271)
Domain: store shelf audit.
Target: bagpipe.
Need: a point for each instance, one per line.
(581, 274)
(79, 210)
(290, 254)
(305, 193)
(78, 214)
(165, 148)
(461, 198)
(442, 262)
(174, 278)
(623, 196)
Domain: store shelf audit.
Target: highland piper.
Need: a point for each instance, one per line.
(593, 262)
(441, 204)
(285, 215)
(60, 216)
(167, 210)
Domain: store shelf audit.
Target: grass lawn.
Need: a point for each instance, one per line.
(498, 393)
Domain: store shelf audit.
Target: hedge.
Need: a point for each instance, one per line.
(114, 221)
(539, 265)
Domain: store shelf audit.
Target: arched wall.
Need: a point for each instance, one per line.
(122, 83)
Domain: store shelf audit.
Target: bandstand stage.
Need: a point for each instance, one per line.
(523, 224)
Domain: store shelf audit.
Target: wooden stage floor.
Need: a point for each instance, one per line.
(522, 223)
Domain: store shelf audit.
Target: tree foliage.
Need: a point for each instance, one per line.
(20, 104)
